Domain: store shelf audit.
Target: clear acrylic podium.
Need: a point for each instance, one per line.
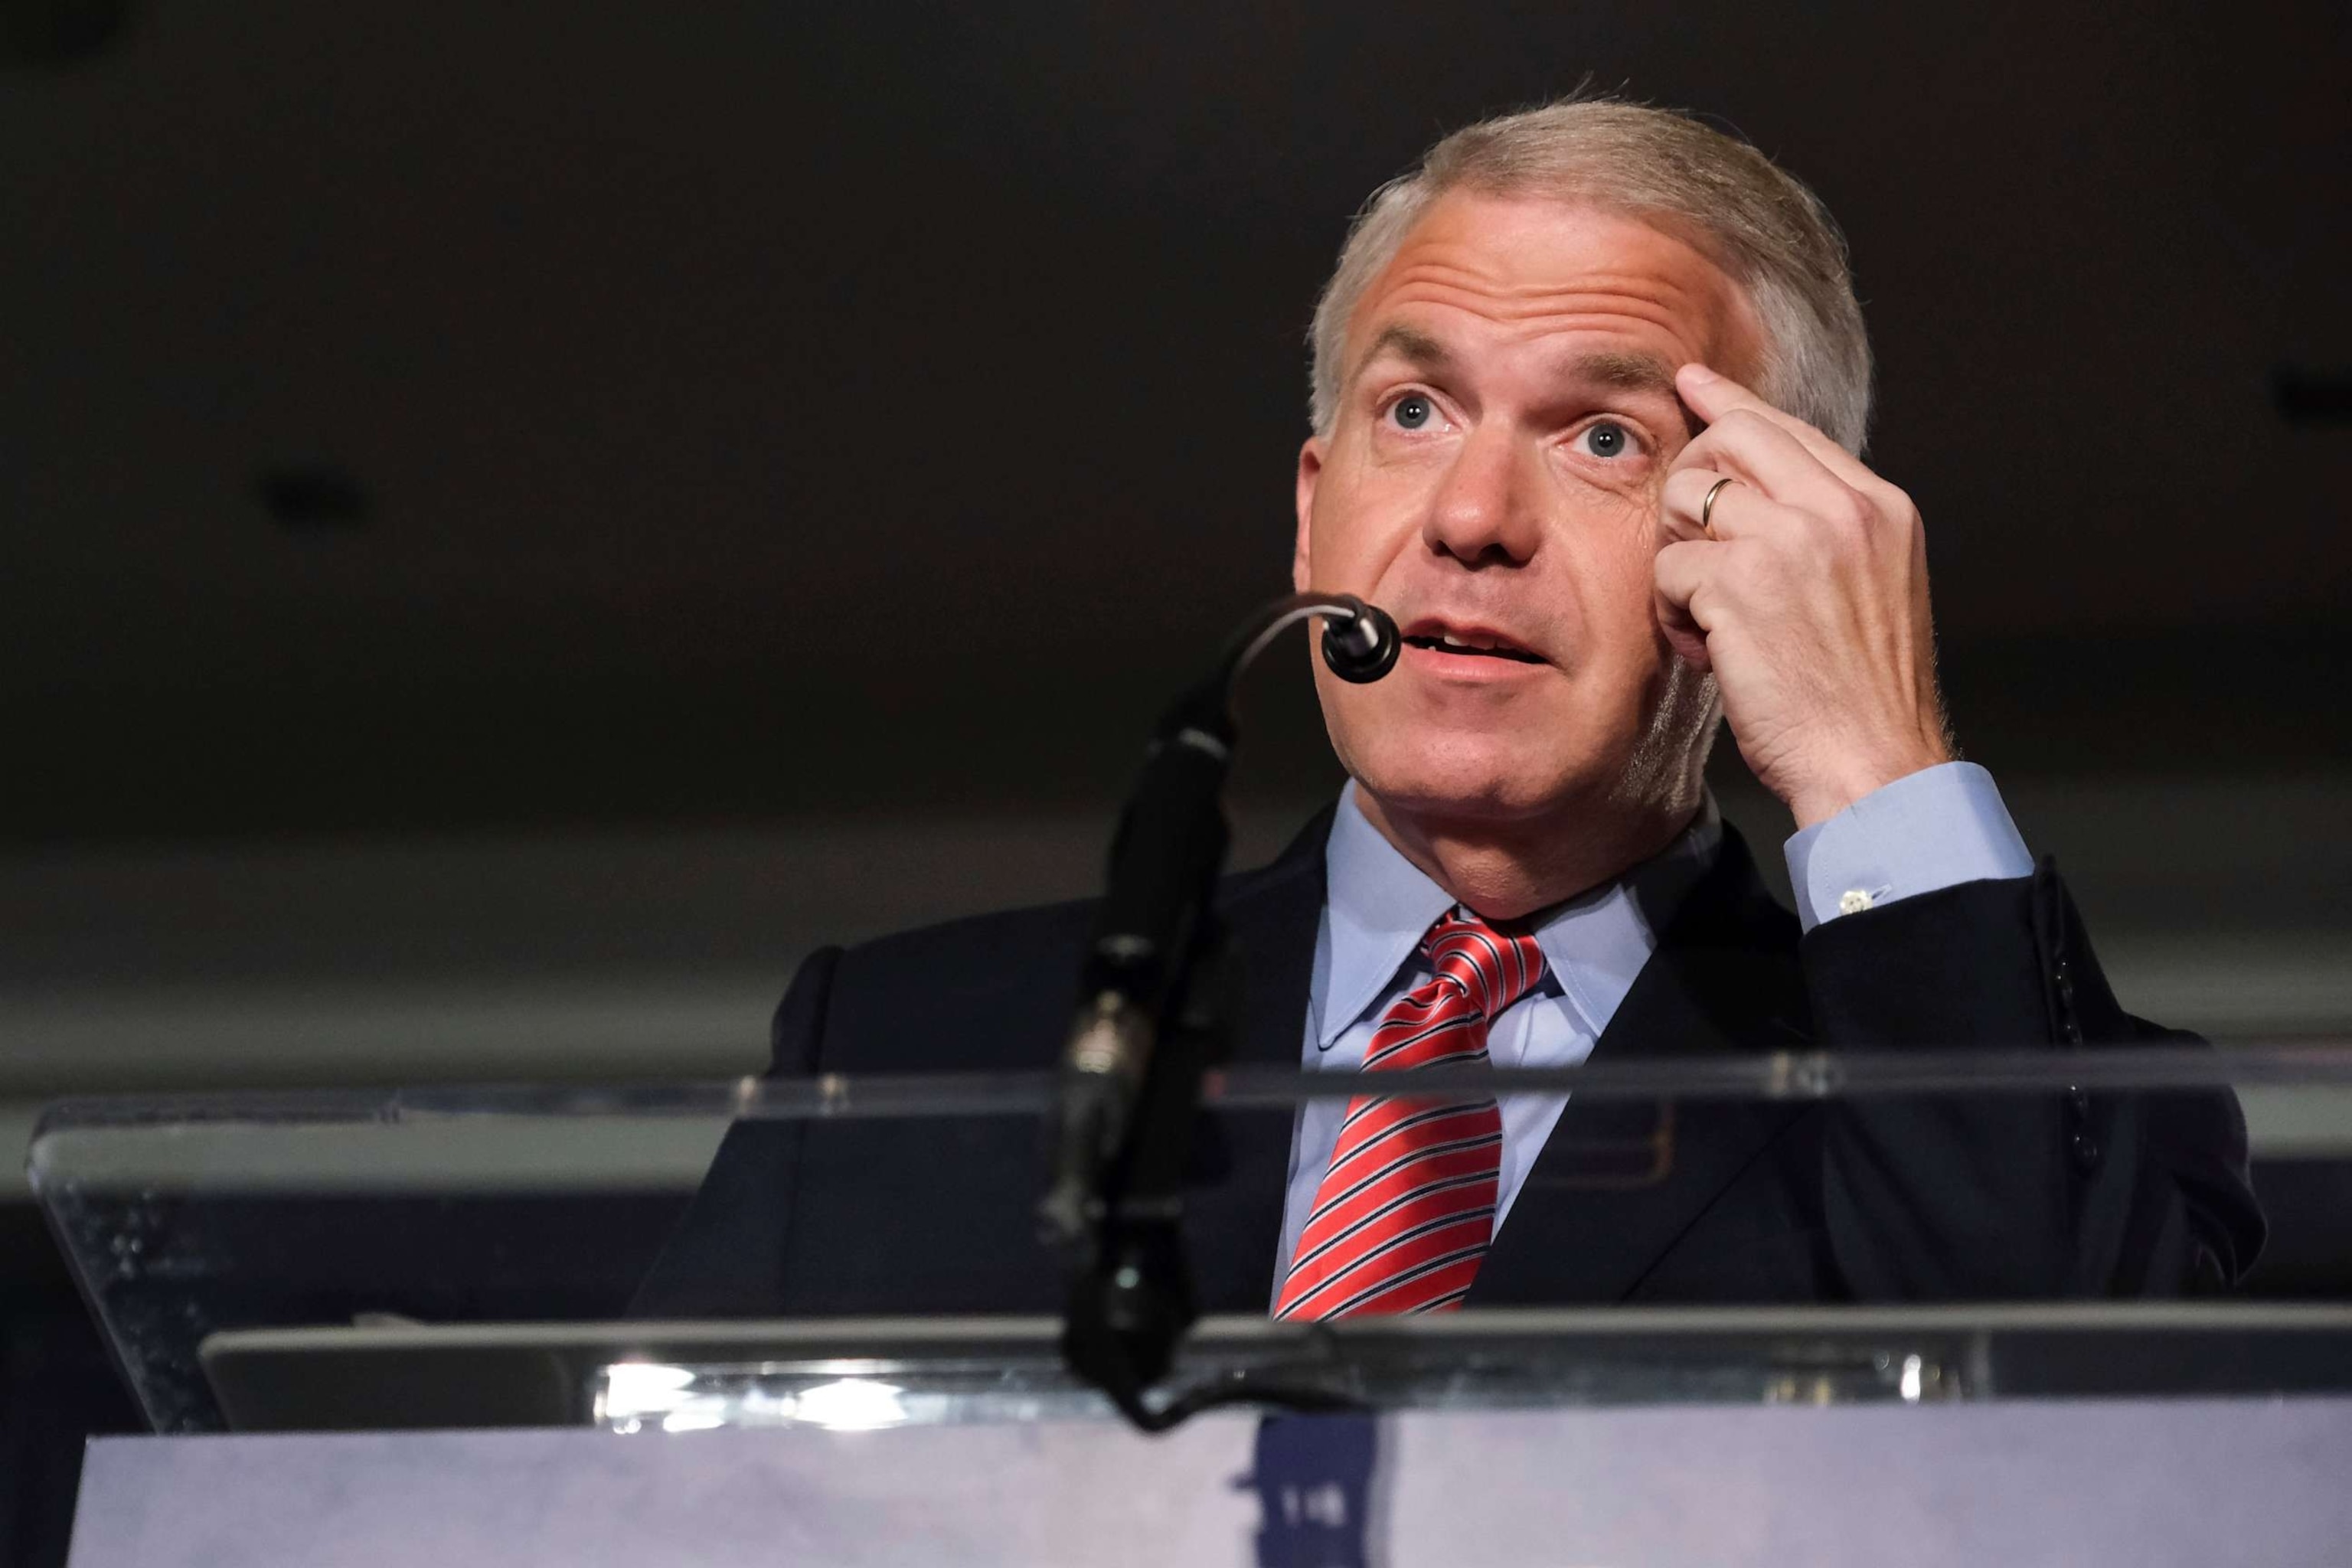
(441, 1264)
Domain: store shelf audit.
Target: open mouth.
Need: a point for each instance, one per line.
(1471, 644)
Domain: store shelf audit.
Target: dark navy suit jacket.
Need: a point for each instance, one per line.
(1955, 1198)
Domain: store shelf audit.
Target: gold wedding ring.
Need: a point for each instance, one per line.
(1706, 507)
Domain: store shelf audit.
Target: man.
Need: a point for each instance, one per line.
(1589, 390)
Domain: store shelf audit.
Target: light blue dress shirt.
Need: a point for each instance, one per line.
(1933, 829)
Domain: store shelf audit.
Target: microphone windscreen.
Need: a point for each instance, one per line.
(1363, 650)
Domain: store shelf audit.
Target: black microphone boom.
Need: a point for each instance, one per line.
(1124, 1111)
(1164, 863)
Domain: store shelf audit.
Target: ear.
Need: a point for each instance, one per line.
(1302, 553)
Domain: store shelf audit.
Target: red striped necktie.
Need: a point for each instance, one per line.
(1405, 1213)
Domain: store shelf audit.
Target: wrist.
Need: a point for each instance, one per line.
(1850, 778)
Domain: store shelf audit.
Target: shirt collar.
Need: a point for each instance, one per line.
(1380, 905)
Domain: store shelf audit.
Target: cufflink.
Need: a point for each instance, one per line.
(1852, 901)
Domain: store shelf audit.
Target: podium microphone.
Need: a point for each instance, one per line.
(1361, 650)
(1164, 864)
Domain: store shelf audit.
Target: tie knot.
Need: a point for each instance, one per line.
(1493, 968)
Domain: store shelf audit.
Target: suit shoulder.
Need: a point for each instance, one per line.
(984, 992)
(995, 992)
(1019, 937)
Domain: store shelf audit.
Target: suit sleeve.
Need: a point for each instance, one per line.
(725, 1258)
(2013, 1195)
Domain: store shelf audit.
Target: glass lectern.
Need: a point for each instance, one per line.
(482, 1257)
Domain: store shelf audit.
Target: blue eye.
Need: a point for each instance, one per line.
(1607, 439)
(1413, 411)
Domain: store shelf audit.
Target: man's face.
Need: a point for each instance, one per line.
(1492, 476)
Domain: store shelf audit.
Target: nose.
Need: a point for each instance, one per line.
(1484, 512)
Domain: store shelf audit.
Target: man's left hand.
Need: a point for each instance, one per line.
(1808, 598)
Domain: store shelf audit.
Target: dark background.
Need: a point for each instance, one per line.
(477, 478)
(743, 400)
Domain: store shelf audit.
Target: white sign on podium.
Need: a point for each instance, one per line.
(2151, 1482)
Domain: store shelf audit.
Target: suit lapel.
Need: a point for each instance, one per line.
(1618, 1183)
(1233, 1217)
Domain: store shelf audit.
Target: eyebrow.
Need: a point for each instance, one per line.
(1616, 371)
(1622, 372)
(1409, 343)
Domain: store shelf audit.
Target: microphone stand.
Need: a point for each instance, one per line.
(1154, 997)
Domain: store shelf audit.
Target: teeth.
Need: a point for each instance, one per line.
(1453, 641)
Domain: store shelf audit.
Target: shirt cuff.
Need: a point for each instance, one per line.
(1934, 828)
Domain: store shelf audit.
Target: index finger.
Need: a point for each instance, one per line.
(1712, 395)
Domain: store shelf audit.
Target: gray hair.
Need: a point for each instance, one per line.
(1748, 215)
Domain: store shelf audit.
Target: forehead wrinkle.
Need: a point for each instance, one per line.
(1464, 275)
(1606, 297)
(1569, 312)
(1475, 272)
(1593, 278)
(1541, 298)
